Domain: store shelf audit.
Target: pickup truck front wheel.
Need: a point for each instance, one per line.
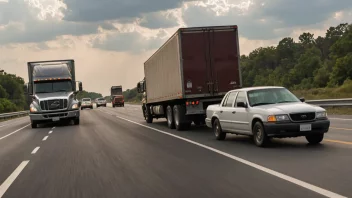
(259, 135)
(315, 139)
(219, 134)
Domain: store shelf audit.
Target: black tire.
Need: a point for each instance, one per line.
(113, 106)
(76, 121)
(259, 135)
(123, 105)
(219, 134)
(34, 124)
(81, 108)
(315, 139)
(181, 120)
(148, 116)
(170, 117)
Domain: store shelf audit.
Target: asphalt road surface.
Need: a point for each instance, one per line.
(114, 153)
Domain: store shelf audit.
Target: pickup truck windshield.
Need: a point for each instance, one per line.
(53, 86)
(270, 96)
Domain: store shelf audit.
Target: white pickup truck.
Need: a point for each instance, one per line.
(267, 112)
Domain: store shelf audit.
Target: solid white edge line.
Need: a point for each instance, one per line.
(46, 137)
(35, 150)
(14, 132)
(9, 122)
(256, 166)
(344, 119)
(7, 183)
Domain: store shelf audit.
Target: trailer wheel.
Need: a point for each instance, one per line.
(148, 116)
(170, 117)
(181, 120)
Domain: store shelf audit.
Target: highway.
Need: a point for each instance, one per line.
(115, 153)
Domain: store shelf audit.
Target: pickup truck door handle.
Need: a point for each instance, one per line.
(234, 112)
(221, 111)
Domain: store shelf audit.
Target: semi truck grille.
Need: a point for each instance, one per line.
(56, 104)
(297, 117)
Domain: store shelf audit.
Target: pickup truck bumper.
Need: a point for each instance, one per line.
(294, 129)
(49, 117)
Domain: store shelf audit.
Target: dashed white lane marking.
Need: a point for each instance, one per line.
(7, 183)
(50, 132)
(46, 137)
(35, 150)
(14, 132)
(53, 128)
(303, 184)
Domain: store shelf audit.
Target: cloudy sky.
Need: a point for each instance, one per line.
(111, 39)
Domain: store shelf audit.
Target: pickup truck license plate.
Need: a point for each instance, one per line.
(56, 119)
(305, 127)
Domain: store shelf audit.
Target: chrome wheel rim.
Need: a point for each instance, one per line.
(259, 134)
(217, 130)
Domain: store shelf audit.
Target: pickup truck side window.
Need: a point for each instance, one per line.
(241, 97)
(225, 100)
(231, 99)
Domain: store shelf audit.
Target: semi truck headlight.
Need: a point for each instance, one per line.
(33, 109)
(75, 106)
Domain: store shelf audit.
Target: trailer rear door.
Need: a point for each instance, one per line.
(210, 60)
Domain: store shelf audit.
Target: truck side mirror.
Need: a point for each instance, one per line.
(80, 86)
(302, 99)
(29, 89)
(139, 88)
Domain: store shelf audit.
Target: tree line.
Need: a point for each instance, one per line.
(12, 97)
(325, 61)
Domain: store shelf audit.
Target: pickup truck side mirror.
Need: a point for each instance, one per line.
(302, 99)
(242, 104)
(80, 86)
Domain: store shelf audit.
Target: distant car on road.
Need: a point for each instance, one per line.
(267, 112)
(86, 103)
(101, 102)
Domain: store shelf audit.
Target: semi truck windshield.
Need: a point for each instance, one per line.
(53, 86)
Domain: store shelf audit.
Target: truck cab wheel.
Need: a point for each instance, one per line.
(148, 116)
(34, 124)
(76, 121)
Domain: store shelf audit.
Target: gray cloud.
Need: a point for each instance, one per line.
(93, 10)
(280, 16)
(133, 42)
(35, 31)
(157, 20)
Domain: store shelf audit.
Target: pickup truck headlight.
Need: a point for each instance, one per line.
(321, 114)
(278, 118)
(33, 109)
(75, 106)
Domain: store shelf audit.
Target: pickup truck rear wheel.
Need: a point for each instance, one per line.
(170, 117)
(315, 139)
(219, 134)
(259, 135)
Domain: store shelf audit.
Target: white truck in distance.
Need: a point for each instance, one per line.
(267, 112)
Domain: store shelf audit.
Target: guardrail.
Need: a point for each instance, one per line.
(344, 102)
(13, 114)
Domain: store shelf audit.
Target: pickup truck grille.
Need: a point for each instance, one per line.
(299, 117)
(56, 104)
